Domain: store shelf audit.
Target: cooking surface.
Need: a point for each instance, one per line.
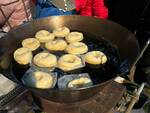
(97, 74)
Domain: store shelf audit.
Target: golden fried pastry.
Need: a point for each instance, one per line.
(79, 81)
(45, 60)
(44, 36)
(69, 62)
(74, 37)
(56, 45)
(77, 48)
(95, 57)
(31, 43)
(39, 79)
(23, 55)
(61, 32)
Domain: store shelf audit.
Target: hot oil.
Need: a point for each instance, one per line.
(98, 74)
(107, 71)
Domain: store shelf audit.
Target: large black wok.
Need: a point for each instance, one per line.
(118, 36)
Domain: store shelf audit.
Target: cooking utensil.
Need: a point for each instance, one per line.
(119, 37)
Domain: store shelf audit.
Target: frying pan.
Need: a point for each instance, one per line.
(119, 37)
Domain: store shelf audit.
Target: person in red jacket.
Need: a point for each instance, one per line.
(94, 8)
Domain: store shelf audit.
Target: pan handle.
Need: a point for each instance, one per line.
(131, 71)
(141, 53)
(131, 75)
(135, 98)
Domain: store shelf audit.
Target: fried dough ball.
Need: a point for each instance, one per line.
(23, 56)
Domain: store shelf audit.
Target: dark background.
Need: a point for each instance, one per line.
(135, 16)
(128, 12)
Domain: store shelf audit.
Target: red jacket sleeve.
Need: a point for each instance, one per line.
(84, 7)
(92, 8)
(99, 9)
(87, 10)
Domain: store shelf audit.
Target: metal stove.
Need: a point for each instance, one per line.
(21, 101)
(103, 102)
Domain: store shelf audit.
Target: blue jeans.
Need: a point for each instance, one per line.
(44, 8)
